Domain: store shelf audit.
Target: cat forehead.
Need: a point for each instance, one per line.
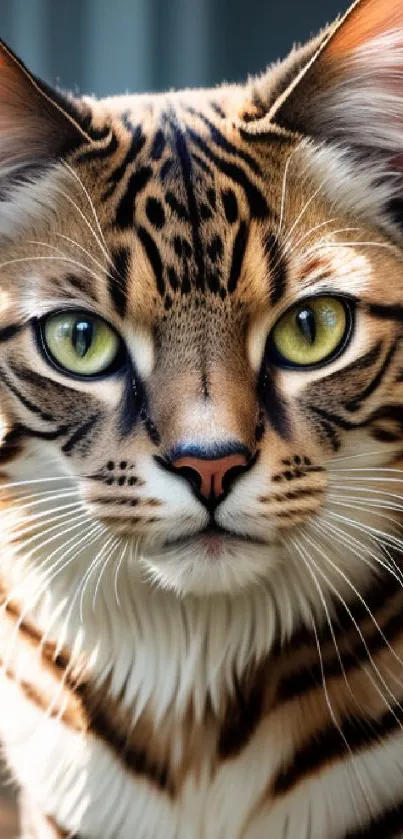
(186, 201)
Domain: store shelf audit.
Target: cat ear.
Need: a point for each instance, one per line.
(36, 123)
(350, 87)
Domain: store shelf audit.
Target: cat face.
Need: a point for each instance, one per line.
(200, 324)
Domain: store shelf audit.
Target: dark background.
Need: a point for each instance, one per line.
(112, 46)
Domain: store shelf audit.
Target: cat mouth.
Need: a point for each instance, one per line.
(213, 539)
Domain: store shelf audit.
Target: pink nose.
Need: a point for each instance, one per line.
(208, 476)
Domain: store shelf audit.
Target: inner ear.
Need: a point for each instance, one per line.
(36, 122)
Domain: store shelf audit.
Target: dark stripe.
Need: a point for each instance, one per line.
(193, 212)
(45, 435)
(9, 332)
(387, 825)
(80, 434)
(330, 435)
(126, 207)
(154, 258)
(35, 409)
(118, 279)
(137, 760)
(98, 152)
(11, 445)
(329, 745)
(224, 144)
(136, 145)
(356, 404)
(277, 265)
(303, 680)
(257, 203)
(37, 380)
(158, 145)
(238, 253)
(243, 713)
(177, 207)
(273, 404)
(218, 109)
(386, 311)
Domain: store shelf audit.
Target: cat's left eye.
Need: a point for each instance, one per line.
(80, 344)
(312, 333)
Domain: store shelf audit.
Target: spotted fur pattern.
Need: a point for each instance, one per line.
(153, 685)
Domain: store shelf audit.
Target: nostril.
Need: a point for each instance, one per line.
(191, 475)
(231, 475)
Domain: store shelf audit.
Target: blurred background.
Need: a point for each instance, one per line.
(103, 47)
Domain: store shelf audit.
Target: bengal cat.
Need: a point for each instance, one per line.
(201, 379)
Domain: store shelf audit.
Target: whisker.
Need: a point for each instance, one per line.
(389, 539)
(93, 565)
(284, 191)
(87, 253)
(14, 484)
(361, 635)
(92, 205)
(106, 561)
(308, 564)
(354, 456)
(363, 553)
(118, 567)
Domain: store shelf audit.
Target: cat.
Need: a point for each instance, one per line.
(201, 424)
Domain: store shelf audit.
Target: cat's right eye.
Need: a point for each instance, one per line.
(81, 344)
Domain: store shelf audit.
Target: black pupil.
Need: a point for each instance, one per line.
(82, 337)
(306, 323)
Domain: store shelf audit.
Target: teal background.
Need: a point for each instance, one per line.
(110, 46)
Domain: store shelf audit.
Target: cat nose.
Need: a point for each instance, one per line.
(211, 477)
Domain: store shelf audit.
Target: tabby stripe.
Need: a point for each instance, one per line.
(202, 163)
(257, 203)
(274, 405)
(218, 109)
(301, 681)
(356, 404)
(45, 435)
(154, 258)
(223, 143)
(388, 825)
(136, 760)
(10, 445)
(118, 279)
(137, 143)
(386, 311)
(46, 417)
(158, 145)
(329, 745)
(97, 720)
(238, 253)
(331, 435)
(126, 207)
(8, 332)
(277, 266)
(99, 152)
(62, 711)
(36, 379)
(194, 216)
(80, 434)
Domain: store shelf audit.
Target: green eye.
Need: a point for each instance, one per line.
(80, 343)
(311, 333)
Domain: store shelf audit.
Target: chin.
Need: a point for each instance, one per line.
(204, 566)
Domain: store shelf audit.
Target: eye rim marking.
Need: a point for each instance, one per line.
(274, 357)
(118, 365)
